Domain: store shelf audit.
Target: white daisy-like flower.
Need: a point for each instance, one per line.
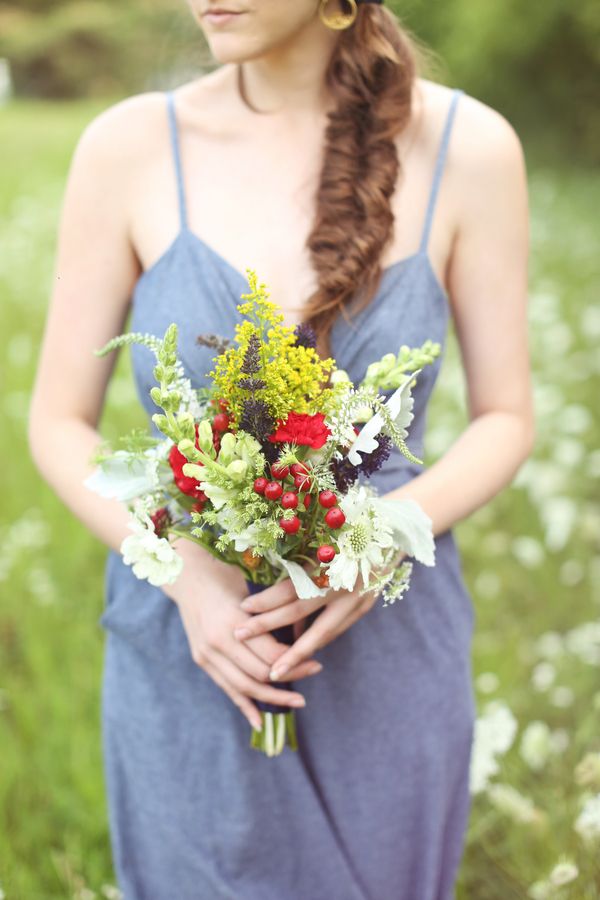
(151, 557)
(361, 542)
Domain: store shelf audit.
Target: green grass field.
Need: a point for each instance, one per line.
(531, 560)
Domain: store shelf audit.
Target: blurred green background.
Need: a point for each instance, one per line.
(531, 557)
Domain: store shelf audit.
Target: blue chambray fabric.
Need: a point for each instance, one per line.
(374, 804)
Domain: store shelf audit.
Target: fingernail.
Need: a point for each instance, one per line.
(242, 633)
(276, 674)
(299, 702)
(257, 724)
(315, 667)
(246, 605)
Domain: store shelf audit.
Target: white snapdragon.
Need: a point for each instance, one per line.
(150, 556)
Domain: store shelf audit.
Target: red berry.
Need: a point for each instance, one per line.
(223, 405)
(273, 490)
(290, 526)
(279, 471)
(307, 500)
(161, 520)
(260, 485)
(289, 500)
(327, 499)
(298, 469)
(335, 518)
(302, 482)
(325, 553)
(221, 422)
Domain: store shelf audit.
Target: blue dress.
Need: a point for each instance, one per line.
(374, 804)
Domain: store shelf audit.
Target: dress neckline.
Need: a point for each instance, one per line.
(197, 241)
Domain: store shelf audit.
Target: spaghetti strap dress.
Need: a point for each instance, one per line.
(374, 803)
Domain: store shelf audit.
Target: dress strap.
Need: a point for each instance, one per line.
(439, 168)
(176, 158)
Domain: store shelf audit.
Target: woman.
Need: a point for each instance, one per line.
(316, 155)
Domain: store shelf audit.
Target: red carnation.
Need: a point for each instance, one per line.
(186, 485)
(300, 428)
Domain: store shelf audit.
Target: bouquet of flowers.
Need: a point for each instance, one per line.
(266, 469)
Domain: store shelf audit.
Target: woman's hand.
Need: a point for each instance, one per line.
(279, 605)
(208, 595)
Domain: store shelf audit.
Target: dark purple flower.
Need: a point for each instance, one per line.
(371, 462)
(256, 419)
(251, 362)
(305, 335)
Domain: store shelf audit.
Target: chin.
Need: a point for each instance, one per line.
(230, 49)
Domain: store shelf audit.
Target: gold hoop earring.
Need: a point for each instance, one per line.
(340, 20)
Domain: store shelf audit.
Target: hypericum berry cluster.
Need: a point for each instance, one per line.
(302, 496)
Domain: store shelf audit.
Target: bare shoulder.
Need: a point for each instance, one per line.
(123, 131)
(482, 138)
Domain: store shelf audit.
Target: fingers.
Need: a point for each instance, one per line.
(245, 705)
(244, 684)
(257, 668)
(335, 619)
(277, 595)
(292, 612)
(299, 628)
(267, 648)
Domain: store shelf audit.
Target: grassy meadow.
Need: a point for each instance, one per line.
(531, 560)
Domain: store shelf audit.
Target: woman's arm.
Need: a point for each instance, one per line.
(96, 269)
(488, 290)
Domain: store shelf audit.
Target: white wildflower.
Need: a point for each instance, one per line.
(559, 740)
(543, 676)
(587, 771)
(572, 572)
(495, 732)
(584, 642)
(536, 746)
(562, 696)
(152, 558)
(375, 529)
(487, 682)
(550, 645)
(487, 585)
(508, 800)
(564, 872)
(587, 824)
(528, 551)
(361, 542)
(541, 890)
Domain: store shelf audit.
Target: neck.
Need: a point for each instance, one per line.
(290, 79)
